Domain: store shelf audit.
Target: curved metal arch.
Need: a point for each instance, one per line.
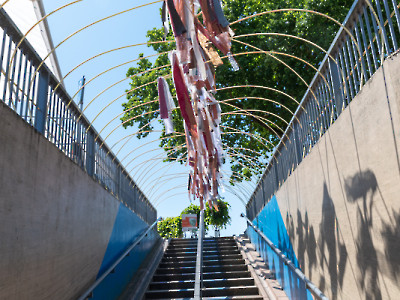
(263, 99)
(37, 23)
(115, 67)
(256, 137)
(155, 140)
(170, 152)
(161, 200)
(127, 92)
(282, 62)
(325, 16)
(259, 86)
(85, 27)
(106, 52)
(261, 119)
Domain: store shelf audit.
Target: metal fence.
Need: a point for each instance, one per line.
(34, 93)
(370, 33)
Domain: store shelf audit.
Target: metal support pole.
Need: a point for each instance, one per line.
(199, 259)
(90, 155)
(41, 106)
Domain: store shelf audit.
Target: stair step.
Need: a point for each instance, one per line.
(190, 276)
(214, 268)
(208, 283)
(192, 263)
(205, 257)
(205, 248)
(252, 297)
(169, 294)
(230, 291)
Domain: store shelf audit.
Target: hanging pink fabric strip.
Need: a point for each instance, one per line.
(177, 24)
(183, 97)
(162, 99)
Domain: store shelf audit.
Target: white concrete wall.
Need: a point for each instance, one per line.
(55, 220)
(341, 206)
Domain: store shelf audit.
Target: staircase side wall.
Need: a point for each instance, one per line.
(59, 229)
(340, 208)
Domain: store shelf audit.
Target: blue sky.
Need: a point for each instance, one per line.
(163, 183)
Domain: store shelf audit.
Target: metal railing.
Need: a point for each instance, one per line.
(29, 88)
(89, 291)
(198, 284)
(370, 33)
(286, 261)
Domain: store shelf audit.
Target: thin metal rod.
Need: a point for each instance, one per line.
(199, 259)
(115, 264)
(309, 285)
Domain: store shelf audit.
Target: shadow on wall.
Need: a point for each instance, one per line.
(332, 251)
(362, 187)
(335, 256)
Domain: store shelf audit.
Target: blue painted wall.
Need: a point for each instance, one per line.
(127, 228)
(270, 222)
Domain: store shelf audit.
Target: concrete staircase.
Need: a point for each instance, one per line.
(225, 274)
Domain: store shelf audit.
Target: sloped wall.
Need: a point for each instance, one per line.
(341, 205)
(58, 227)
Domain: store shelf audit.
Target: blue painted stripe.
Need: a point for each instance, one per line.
(127, 228)
(270, 222)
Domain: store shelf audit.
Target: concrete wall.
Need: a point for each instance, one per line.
(58, 227)
(341, 206)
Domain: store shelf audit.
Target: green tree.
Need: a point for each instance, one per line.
(172, 227)
(255, 69)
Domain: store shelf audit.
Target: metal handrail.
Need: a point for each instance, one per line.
(199, 259)
(309, 285)
(87, 295)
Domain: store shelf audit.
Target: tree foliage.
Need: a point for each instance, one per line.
(268, 119)
(172, 227)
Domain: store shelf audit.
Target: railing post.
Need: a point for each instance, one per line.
(90, 155)
(336, 85)
(199, 260)
(41, 105)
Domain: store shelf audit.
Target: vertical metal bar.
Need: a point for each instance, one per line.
(364, 38)
(352, 81)
(364, 69)
(28, 92)
(328, 96)
(347, 91)
(42, 96)
(391, 28)
(336, 86)
(33, 99)
(51, 116)
(23, 87)
(18, 80)
(382, 27)
(396, 12)
(11, 82)
(49, 110)
(7, 69)
(355, 64)
(371, 42)
(3, 44)
(90, 154)
(297, 144)
(57, 122)
(325, 102)
(74, 145)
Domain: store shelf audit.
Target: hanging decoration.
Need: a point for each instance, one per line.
(193, 72)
